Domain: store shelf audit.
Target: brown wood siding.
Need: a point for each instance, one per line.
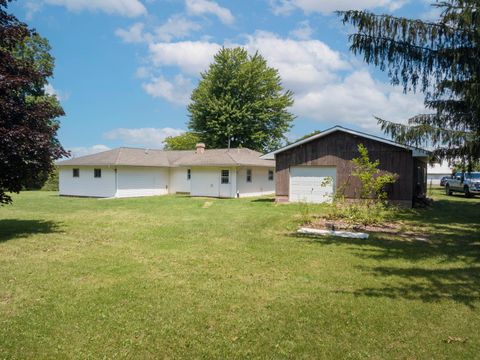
(419, 178)
(338, 149)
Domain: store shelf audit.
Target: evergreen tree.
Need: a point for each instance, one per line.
(240, 102)
(439, 58)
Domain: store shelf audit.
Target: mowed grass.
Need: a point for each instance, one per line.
(179, 277)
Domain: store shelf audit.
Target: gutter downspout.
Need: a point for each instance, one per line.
(116, 182)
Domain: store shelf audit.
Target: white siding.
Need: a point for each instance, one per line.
(133, 181)
(206, 182)
(142, 181)
(178, 180)
(260, 184)
(86, 184)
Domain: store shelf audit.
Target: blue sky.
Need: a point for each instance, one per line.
(125, 68)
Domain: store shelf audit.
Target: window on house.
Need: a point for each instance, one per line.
(76, 172)
(270, 175)
(189, 174)
(225, 177)
(249, 175)
(97, 173)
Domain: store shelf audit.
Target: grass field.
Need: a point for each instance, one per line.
(179, 277)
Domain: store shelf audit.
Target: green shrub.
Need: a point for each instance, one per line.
(51, 184)
(372, 207)
(362, 213)
(373, 181)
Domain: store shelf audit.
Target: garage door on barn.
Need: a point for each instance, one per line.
(312, 184)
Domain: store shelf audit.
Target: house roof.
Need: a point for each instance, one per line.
(416, 152)
(125, 156)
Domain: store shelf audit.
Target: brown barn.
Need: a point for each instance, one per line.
(313, 169)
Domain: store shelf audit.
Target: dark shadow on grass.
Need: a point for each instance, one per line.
(459, 284)
(452, 246)
(13, 228)
(267, 200)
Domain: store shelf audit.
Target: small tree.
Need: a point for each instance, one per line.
(371, 209)
(373, 182)
(186, 141)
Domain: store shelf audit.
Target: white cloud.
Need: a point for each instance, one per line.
(303, 32)
(82, 151)
(328, 86)
(177, 26)
(50, 90)
(134, 34)
(202, 7)
(191, 57)
(129, 8)
(433, 14)
(147, 137)
(298, 61)
(143, 72)
(303, 64)
(327, 7)
(355, 99)
(32, 7)
(177, 91)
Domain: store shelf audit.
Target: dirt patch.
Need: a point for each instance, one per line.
(207, 204)
(391, 228)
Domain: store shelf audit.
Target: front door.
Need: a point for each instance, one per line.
(225, 183)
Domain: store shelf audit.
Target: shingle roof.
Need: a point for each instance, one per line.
(146, 157)
(416, 152)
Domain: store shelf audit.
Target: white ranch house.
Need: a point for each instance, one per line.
(133, 172)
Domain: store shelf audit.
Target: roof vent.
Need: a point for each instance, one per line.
(200, 148)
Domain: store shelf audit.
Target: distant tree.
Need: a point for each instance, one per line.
(37, 182)
(28, 125)
(51, 184)
(439, 58)
(185, 141)
(462, 167)
(240, 101)
(315, 132)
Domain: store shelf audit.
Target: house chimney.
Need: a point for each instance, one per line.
(200, 148)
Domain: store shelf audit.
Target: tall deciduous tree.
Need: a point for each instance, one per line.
(441, 59)
(240, 101)
(185, 141)
(28, 116)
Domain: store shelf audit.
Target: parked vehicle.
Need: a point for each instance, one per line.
(443, 180)
(467, 183)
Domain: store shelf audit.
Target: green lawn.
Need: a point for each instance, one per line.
(168, 277)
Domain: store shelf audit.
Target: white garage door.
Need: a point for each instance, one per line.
(312, 184)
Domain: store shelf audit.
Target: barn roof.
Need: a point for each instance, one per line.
(416, 152)
(125, 156)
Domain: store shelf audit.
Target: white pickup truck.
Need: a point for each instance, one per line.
(467, 183)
